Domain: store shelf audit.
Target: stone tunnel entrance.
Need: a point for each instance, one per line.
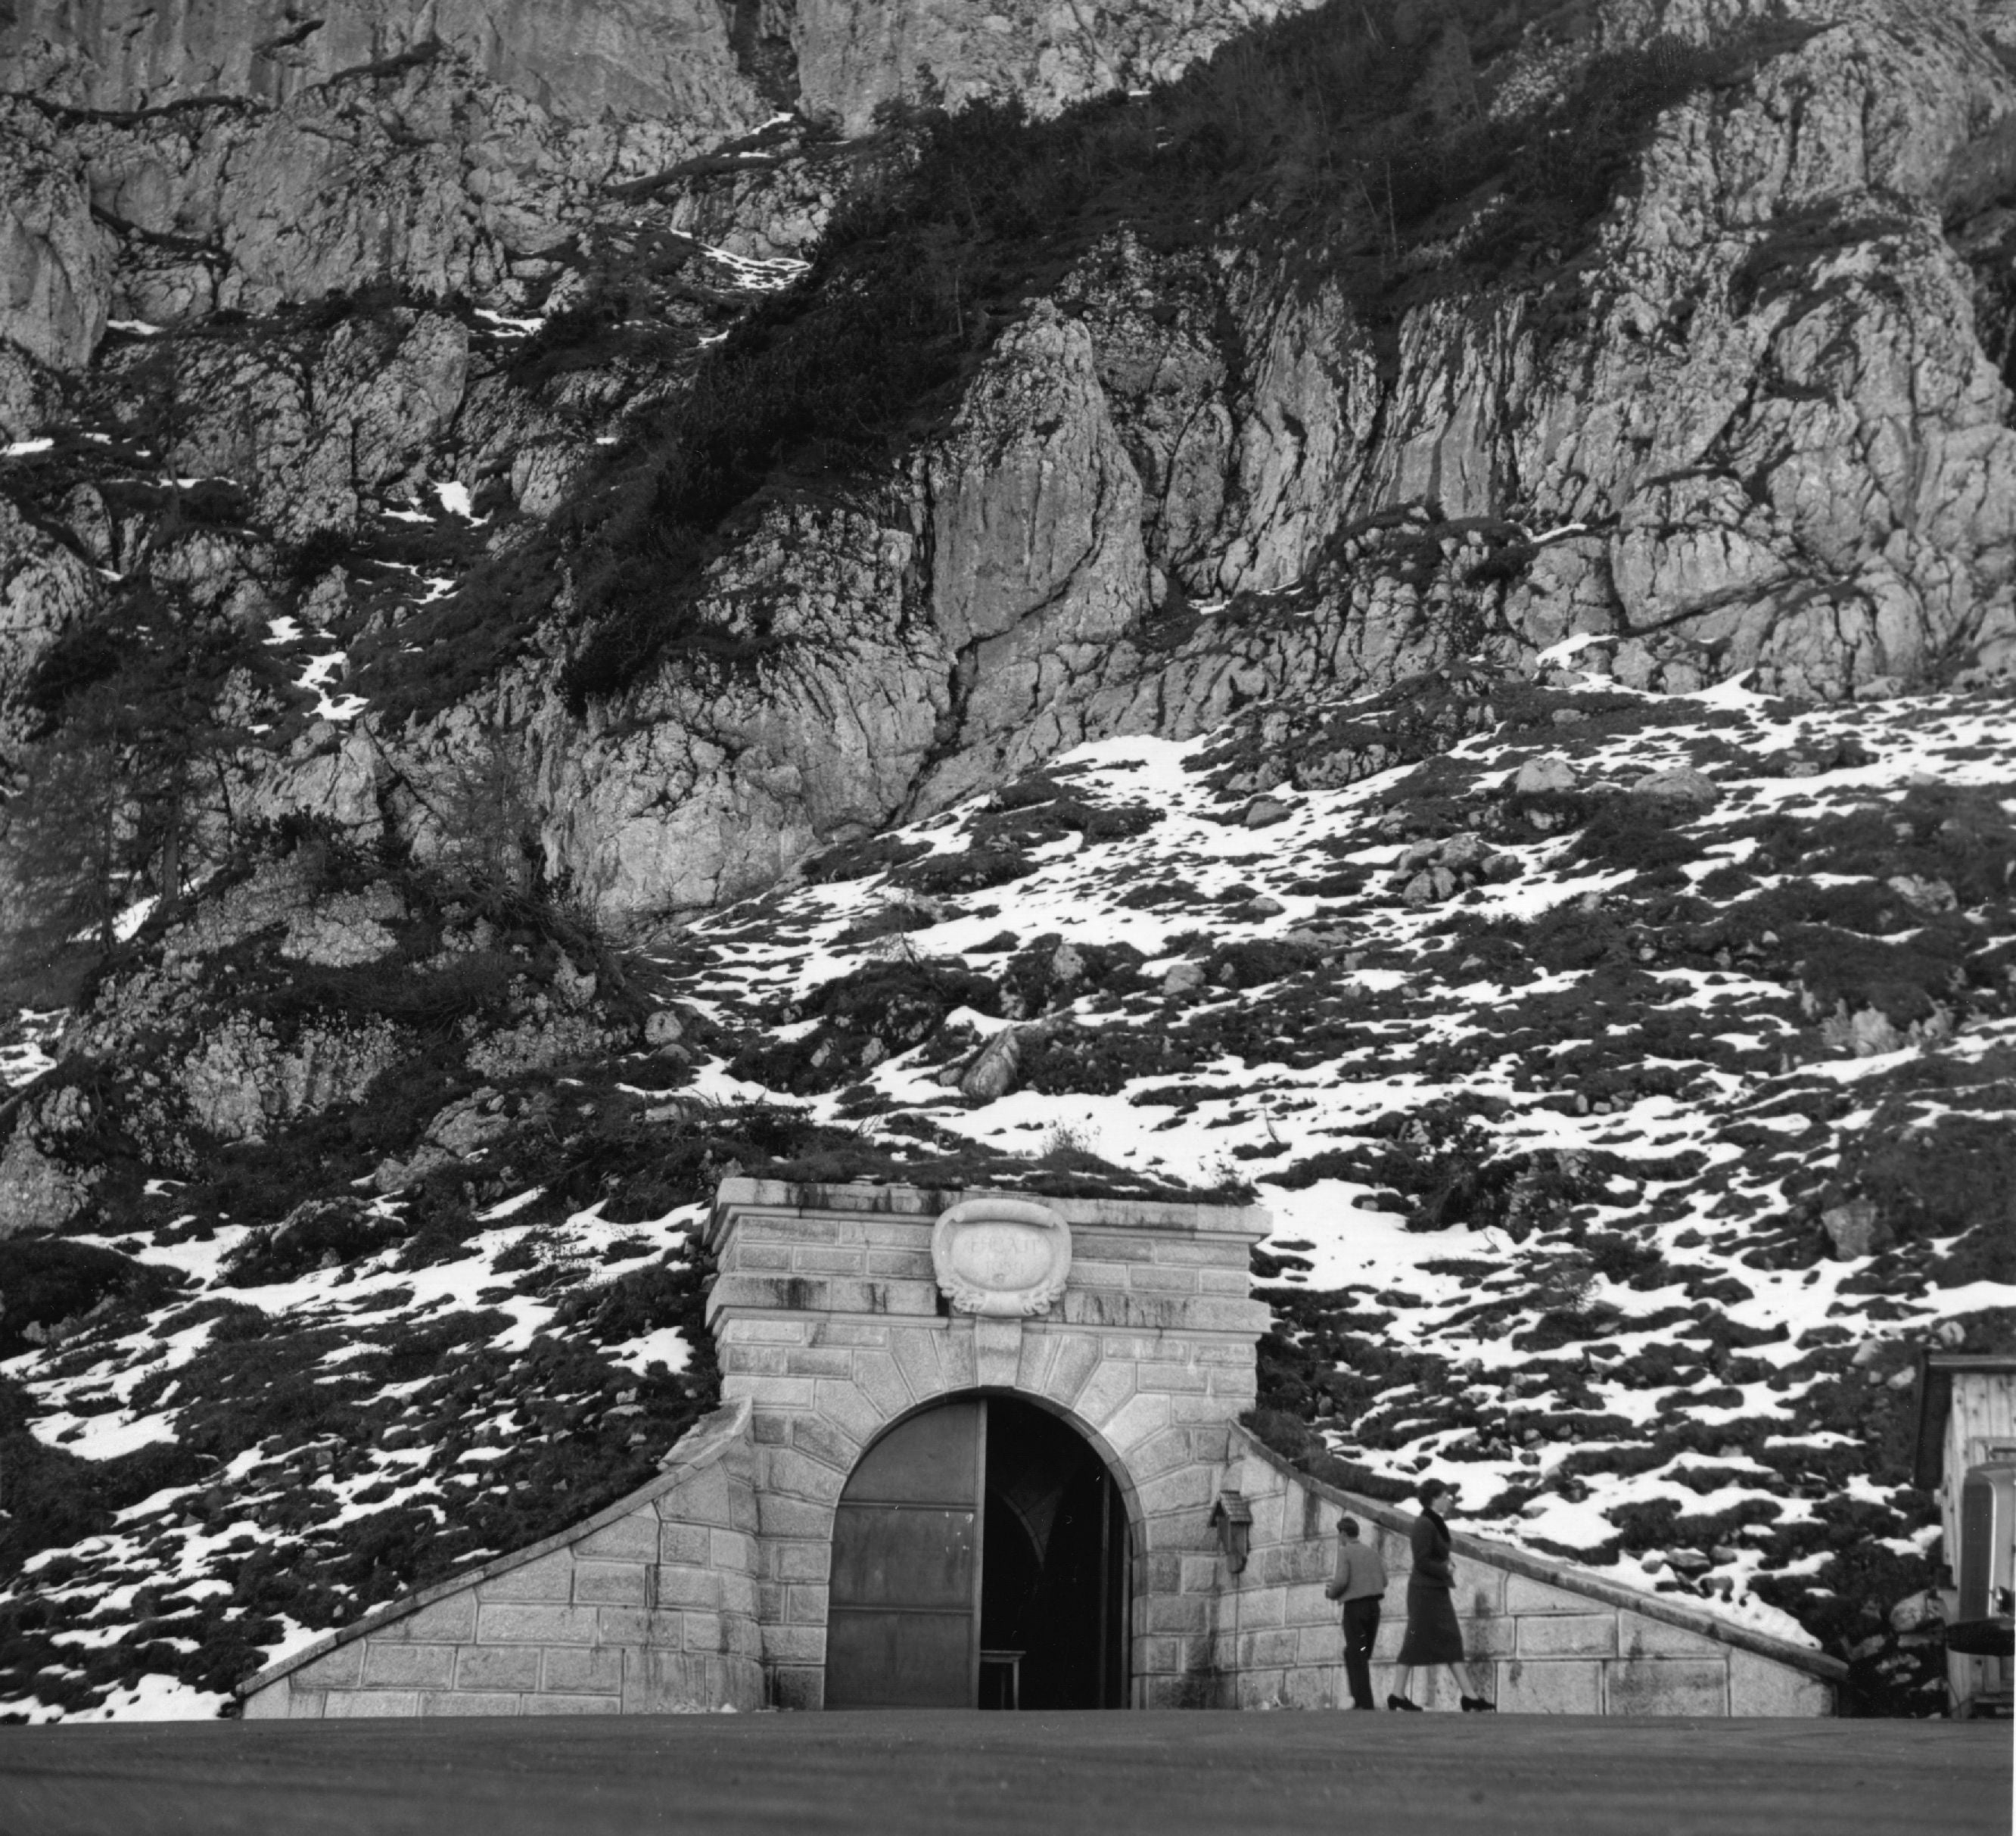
(1078, 1348)
(979, 1559)
(978, 1449)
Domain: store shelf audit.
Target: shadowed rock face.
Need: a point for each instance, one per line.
(1771, 437)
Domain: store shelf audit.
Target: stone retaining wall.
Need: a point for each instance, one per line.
(1551, 1639)
(649, 1606)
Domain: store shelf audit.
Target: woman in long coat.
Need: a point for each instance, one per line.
(1434, 1638)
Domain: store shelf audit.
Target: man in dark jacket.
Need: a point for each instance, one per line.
(1360, 1583)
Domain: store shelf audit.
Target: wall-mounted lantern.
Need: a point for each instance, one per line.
(1231, 1516)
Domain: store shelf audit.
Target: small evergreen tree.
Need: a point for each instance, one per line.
(489, 824)
(129, 755)
(65, 836)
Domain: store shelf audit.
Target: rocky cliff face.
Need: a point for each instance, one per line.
(716, 68)
(584, 61)
(1769, 439)
(1758, 422)
(850, 58)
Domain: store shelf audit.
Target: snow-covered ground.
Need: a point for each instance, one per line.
(1551, 1145)
(1664, 1075)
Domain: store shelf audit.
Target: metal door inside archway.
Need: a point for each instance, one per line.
(979, 1559)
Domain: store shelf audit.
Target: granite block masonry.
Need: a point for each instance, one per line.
(649, 1606)
(839, 1312)
(1546, 1637)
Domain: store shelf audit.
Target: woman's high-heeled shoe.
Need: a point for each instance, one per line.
(1478, 1705)
(1402, 1702)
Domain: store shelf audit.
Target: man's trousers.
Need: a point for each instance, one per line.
(1361, 1632)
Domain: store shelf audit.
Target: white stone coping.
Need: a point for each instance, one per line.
(699, 1447)
(925, 1203)
(1567, 1578)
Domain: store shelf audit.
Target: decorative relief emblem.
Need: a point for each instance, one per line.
(1004, 1258)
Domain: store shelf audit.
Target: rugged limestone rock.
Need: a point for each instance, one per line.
(336, 932)
(421, 170)
(242, 1080)
(1754, 427)
(1678, 794)
(852, 57)
(38, 1192)
(278, 893)
(309, 984)
(706, 782)
(1543, 777)
(1698, 477)
(29, 394)
(460, 1131)
(1432, 871)
(540, 1042)
(1037, 564)
(314, 433)
(765, 206)
(992, 1073)
(587, 58)
(55, 260)
(45, 589)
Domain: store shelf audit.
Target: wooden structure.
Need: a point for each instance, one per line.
(979, 1559)
(1966, 1454)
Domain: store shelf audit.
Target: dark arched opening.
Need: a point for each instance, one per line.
(979, 1559)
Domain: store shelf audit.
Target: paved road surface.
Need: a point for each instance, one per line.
(934, 1774)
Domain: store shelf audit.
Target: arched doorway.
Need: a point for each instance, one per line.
(979, 1559)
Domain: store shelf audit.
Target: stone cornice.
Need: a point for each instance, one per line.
(925, 1203)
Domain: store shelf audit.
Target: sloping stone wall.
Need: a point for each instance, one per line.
(649, 1606)
(1548, 1638)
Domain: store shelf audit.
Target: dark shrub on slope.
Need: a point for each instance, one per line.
(869, 1014)
(321, 1233)
(1335, 140)
(1629, 831)
(47, 1282)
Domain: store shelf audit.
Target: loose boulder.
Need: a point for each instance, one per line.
(1682, 793)
(1856, 1229)
(992, 1073)
(1263, 812)
(1552, 776)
